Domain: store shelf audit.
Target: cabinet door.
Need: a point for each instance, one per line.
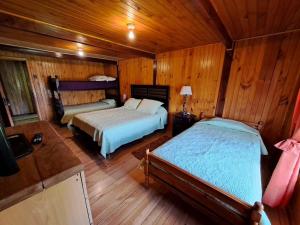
(61, 204)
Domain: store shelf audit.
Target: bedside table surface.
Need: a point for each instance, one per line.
(182, 122)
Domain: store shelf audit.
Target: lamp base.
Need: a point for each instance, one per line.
(184, 111)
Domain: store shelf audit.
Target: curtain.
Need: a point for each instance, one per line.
(284, 178)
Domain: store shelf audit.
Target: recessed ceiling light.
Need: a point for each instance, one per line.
(80, 53)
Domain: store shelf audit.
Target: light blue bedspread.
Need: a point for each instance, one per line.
(130, 129)
(115, 127)
(222, 152)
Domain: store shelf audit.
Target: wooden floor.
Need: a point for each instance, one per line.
(117, 195)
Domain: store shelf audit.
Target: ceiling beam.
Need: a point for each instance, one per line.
(215, 19)
(16, 37)
(38, 27)
(52, 54)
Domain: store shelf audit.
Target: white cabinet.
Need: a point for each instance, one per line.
(65, 203)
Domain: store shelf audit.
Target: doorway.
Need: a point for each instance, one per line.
(17, 101)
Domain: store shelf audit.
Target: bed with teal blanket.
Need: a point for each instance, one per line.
(224, 153)
(112, 128)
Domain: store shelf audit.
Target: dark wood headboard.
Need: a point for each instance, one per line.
(155, 92)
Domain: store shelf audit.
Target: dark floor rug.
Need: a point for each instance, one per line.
(141, 152)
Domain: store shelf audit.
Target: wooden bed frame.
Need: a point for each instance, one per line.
(221, 207)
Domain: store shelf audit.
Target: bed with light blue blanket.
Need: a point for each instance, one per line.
(225, 153)
(115, 127)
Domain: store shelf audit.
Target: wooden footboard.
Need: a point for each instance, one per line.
(222, 207)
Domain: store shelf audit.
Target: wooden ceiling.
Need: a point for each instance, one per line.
(161, 25)
(251, 18)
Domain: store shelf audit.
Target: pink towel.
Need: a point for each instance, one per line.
(284, 177)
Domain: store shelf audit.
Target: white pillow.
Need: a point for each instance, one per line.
(149, 106)
(132, 103)
(101, 78)
(110, 78)
(109, 101)
(98, 78)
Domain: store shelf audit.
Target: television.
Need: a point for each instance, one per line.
(8, 163)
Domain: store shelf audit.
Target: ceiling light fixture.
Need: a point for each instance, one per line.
(131, 35)
(79, 45)
(131, 28)
(80, 53)
(58, 54)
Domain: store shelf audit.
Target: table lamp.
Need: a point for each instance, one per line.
(185, 91)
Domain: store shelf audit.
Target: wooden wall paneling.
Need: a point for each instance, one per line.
(81, 97)
(200, 67)
(41, 67)
(289, 84)
(135, 71)
(264, 80)
(110, 70)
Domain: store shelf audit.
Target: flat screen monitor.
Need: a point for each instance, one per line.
(8, 163)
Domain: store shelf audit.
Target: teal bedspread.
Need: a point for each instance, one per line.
(112, 128)
(225, 153)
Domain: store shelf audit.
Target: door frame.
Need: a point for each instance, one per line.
(30, 85)
(7, 110)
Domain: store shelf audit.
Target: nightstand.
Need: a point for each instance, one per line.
(182, 122)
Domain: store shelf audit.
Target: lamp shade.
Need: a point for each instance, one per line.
(186, 90)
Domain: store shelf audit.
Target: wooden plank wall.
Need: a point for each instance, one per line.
(81, 97)
(135, 71)
(263, 83)
(41, 67)
(199, 67)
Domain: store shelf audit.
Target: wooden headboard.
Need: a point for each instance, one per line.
(258, 126)
(155, 92)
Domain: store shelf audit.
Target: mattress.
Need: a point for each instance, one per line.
(112, 128)
(71, 110)
(222, 152)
